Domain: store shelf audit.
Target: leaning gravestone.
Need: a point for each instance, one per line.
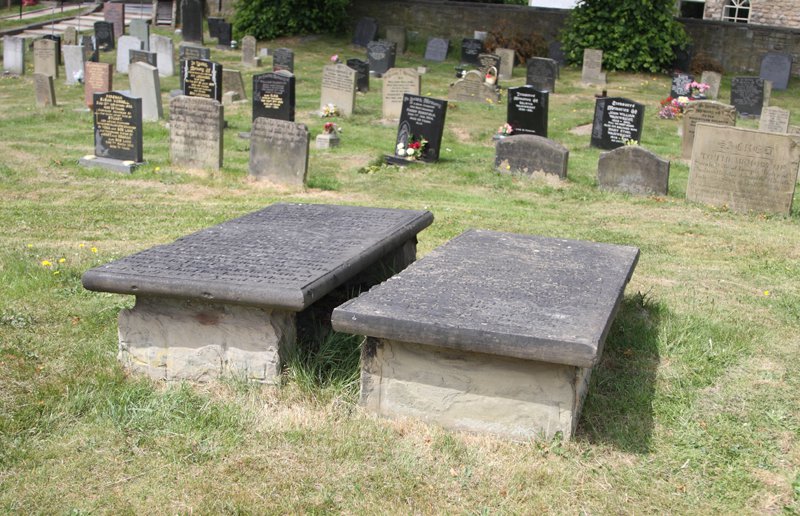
(617, 121)
(436, 50)
(139, 28)
(713, 79)
(528, 110)
(73, 63)
(70, 36)
(249, 52)
(124, 46)
(634, 170)
(592, 67)
(97, 78)
(114, 13)
(279, 151)
(542, 74)
(164, 49)
(362, 73)
(507, 57)
(143, 56)
(706, 111)
(283, 59)
(529, 154)
(274, 96)
(422, 117)
(488, 61)
(195, 132)
(339, 88)
(473, 88)
(232, 82)
(192, 21)
(14, 55)
(104, 36)
(397, 35)
(396, 83)
(381, 56)
(45, 59)
(470, 50)
(774, 120)
(681, 85)
(117, 132)
(44, 89)
(747, 96)
(745, 170)
(366, 30)
(202, 78)
(776, 67)
(146, 85)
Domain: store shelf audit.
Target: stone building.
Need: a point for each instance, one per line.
(775, 13)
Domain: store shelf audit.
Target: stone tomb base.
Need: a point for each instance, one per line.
(474, 392)
(125, 167)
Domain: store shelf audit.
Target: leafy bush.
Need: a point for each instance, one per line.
(523, 45)
(269, 19)
(635, 35)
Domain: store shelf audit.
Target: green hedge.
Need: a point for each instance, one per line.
(269, 19)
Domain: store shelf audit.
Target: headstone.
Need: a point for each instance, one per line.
(327, 139)
(616, 122)
(117, 131)
(90, 52)
(104, 36)
(396, 83)
(436, 50)
(164, 49)
(190, 51)
(507, 57)
(143, 56)
(767, 93)
(44, 89)
(681, 85)
(777, 67)
(14, 55)
(213, 26)
(634, 170)
(45, 59)
(339, 88)
(366, 30)
(139, 28)
(362, 73)
(473, 88)
(397, 35)
(114, 13)
(195, 132)
(713, 79)
(706, 111)
(97, 78)
(487, 62)
(743, 169)
(592, 67)
(470, 50)
(232, 82)
(774, 120)
(528, 110)
(381, 56)
(192, 20)
(529, 154)
(225, 36)
(249, 54)
(146, 85)
(283, 59)
(70, 36)
(422, 117)
(57, 39)
(683, 58)
(73, 63)
(279, 151)
(747, 95)
(555, 53)
(542, 74)
(274, 96)
(124, 46)
(202, 78)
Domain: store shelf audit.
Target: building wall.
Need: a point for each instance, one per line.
(777, 13)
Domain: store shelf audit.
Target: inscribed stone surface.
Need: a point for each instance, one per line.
(43, 87)
(339, 88)
(114, 13)
(14, 55)
(97, 78)
(279, 151)
(195, 132)
(396, 83)
(592, 67)
(748, 96)
(283, 59)
(143, 56)
(73, 63)
(249, 53)
(104, 36)
(527, 111)
(542, 74)
(506, 62)
(706, 111)
(366, 30)
(381, 56)
(634, 170)
(713, 79)
(681, 85)
(436, 50)
(488, 61)
(422, 117)
(274, 96)
(774, 120)
(70, 36)
(397, 35)
(473, 88)
(45, 57)
(470, 50)
(529, 154)
(616, 122)
(124, 46)
(202, 78)
(777, 68)
(118, 126)
(145, 84)
(192, 20)
(362, 73)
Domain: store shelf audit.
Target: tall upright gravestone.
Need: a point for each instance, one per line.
(249, 52)
(104, 38)
(70, 36)
(274, 96)
(777, 67)
(117, 132)
(542, 74)
(124, 46)
(146, 85)
(436, 49)
(397, 35)
(45, 59)
(195, 132)
(381, 56)
(396, 83)
(470, 50)
(617, 121)
(362, 73)
(188, 51)
(528, 110)
(713, 79)
(747, 96)
(507, 57)
(97, 78)
(422, 117)
(366, 30)
(279, 151)
(283, 59)
(592, 73)
(192, 21)
(703, 111)
(14, 55)
(139, 28)
(339, 88)
(114, 13)
(202, 78)
(90, 52)
(73, 63)
(44, 89)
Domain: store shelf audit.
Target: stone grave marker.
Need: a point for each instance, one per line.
(487, 62)
(473, 88)
(57, 39)
(114, 13)
(507, 57)
(616, 121)
(747, 96)
(225, 35)
(683, 59)
(44, 89)
(706, 111)
(14, 55)
(213, 26)
(70, 36)
(680, 85)
(90, 53)
(339, 88)
(470, 50)
(774, 120)
(422, 117)
(45, 59)
(436, 49)
(634, 170)
(396, 83)
(192, 21)
(528, 110)
(776, 67)
(190, 51)
(366, 30)
(202, 78)
(232, 82)
(124, 46)
(362, 73)
(249, 52)
(104, 36)
(73, 63)
(542, 74)
(279, 151)
(143, 56)
(146, 85)
(743, 169)
(381, 56)
(283, 59)
(164, 49)
(140, 28)
(555, 53)
(397, 35)
(592, 67)
(529, 154)
(195, 132)
(117, 132)
(713, 79)
(97, 78)
(274, 96)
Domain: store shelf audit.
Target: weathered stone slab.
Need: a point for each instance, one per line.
(44, 89)
(542, 74)
(45, 57)
(279, 151)
(124, 46)
(104, 36)
(14, 55)
(745, 170)
(396, 83)
(473, 88)
(339, 88)
(139, 28)
(145, 84)
(97, 78)
(633, 169)
(748, 95)
(713, 79)
(507, 57)
(195, 132)
(249, 52)
(617, 121)
(114, 13)
(436, 49)
(777, 68)
(397, 35)
(774, 120)
(706, 111)
(283, 59)
(529, 154)
(232, 81)
(165, 52)
(73, 63)
(381, 56)
(592, 67)
(70, 36)
(143, 56)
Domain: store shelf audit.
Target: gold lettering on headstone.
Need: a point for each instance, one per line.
(113, 119)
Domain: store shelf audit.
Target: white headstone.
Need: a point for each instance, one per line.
(146, 85)
(124, 46)
(14, 55)
(73, 63)
(164, 49)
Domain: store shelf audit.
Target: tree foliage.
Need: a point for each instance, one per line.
(269, 19)
(635, 35)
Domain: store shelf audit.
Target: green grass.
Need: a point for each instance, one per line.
(693, 408)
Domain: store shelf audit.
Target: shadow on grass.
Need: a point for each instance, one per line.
(619, 405)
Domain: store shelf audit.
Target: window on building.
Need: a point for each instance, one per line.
(692, 9)
(736, 11)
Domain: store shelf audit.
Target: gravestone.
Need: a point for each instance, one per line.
(225, 35)
(44, 89)
(14, 55)
(57, 39)
(97, 78)
(70, 36)
(713, 79)
(139, 28)
(362, 73)
(529, 154)
(397, 35)
(634, 170)
(117, 132)
(743, 169)
(249, 52)
(706, 111)
(774, 120)
(283, 59)
(232, 82)
(681, 85)
(422, 117)
(555, 53)
(339, 88)
(381, 56)
(279, 151)
(776, 67)
(90, 53)
(124, 46)
(528, 110)
(213, 26)
(592, 72)
(436, 49)
(470, 50)
(473, 88)
(274, 96)
(487, 62)
(396, 83)
(164, 49)
(146, 85)
(104, 36)
(542, 74)
(114, 13)
(190, 51)
(683, 58)
(45, 59)
(192, 21)
(73, 63)
(507, 57)
(195, 132)
(616, 121)
(366, 30)
(747, 96)
(202, 78)
(143, 56)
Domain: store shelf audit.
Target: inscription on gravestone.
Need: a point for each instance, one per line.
(680, 85)
(104, 36)
(146, 85)
(70, 36)
(381, 56)
(274, 96)
(397, 35)
(164, 49)
(283, 59)
(488, 61)
(422, 117)
(97, 78)
(592, 67)
(616, 121)
(279, 151)
(45, 60)
(195, 132)
(339, 88)
(143, 56)
(542, 74)
(437, 48)
(57, 39)
(774, 120)
(777, 67)
(472, 88)
(366, 30)
(528, 110)
(118, 126)
(249, 51)
(202, 78)
(396, 83)
(73, 63)
(362, 73)
(507, 57)
(124, 46)
(747, 96)
(703, 111)
(470, 50)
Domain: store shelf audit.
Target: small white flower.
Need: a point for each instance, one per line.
(400, 146)
(409, 152)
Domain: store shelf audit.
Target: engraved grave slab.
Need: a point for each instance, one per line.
(529, 154)
(104, 36)
(140, 28)
(633, 169)
(97, 78)
(195, 132)
(381, 56)
(124, 46)
(680, 85)
(70, 36)
(774, 120)
(192, 20)
(592, 71)
(114, 13)
(747, 95)
(249, 52)
(232, 81)
(542, 74)
(422, 117)
(283, 59)
(366, 30)
(470, 50)
(777, 68)
(616, 121)
(14, 55)
(396, 83)
(713, 79)
(507, 57)
(146, 85)
(202, 78)
(45, 57)
(73, 63)
(279, 151)
(44, 89)
(436, 49)
(397, 35)
(274, 96)
(706, 111)
(117, 132)
(487, 62)
(143, 56)
(528, 110)
(472, 88)
(338, 88)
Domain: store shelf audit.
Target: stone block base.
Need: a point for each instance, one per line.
(473, 392)
(124, 167)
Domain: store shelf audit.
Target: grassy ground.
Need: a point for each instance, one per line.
(693, 408)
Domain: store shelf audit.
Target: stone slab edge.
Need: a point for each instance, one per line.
(109, 164)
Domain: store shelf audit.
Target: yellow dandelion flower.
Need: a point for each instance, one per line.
(62, 260)
(158, 168)
(94, 249)
(766, 292)
(30, 245)
(81, 245)
(46, 263)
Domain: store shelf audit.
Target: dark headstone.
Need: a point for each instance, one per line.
(633, 169)
(143, 56)
(681, 85)
(202, 78)
(381, 56)
(104, 36)
(118, 126)
(555, 53)
(362, 73)
(470, 50)
(192, 20)
(57, 39)
(366, 30)
(528, 110)
(616, 121)
(437, 48)
(283, 59)
(114, 12)
(422, 117)
(776, 67)
(190, 51)
(213, 26)
(273, 95)
(542, 74)
(683, 59)
(529, 154)
(224, 35)
(747, 96)
(90, 52)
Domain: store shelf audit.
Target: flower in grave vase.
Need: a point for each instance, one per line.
(413, 150)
